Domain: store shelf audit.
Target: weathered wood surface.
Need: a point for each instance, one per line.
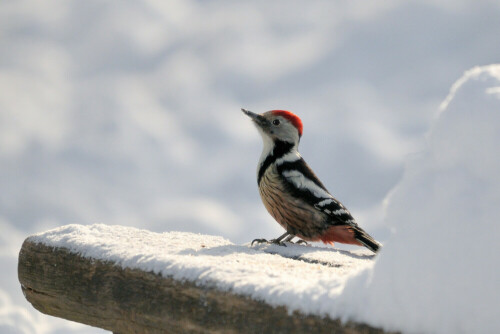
(102, 294)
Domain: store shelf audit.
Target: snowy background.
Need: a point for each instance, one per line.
(128, 113)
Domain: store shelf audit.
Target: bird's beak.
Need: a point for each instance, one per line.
(258, 119)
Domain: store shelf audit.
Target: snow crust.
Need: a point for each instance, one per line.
(440, 272)
(308, 282)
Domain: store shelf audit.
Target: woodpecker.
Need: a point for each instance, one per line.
(293, 194)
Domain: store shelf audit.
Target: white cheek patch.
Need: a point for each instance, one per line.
(268, 144)
(301, 182)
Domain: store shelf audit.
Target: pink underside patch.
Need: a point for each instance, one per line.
(343, 234)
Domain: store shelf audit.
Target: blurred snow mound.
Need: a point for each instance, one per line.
(440, 273)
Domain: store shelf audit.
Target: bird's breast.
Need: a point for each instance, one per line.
(293, 214)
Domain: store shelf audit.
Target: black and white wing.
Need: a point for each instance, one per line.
(304, 184)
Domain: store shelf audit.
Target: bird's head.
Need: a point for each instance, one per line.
(277, 125)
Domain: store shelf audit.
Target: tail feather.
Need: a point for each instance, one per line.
(349, 234)
(365, 239)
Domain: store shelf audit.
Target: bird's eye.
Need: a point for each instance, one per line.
(276, 122)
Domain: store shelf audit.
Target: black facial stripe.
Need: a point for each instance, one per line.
(280, 149)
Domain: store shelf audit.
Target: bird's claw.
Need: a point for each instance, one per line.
(302, 242)
(259, 241)
(272, 241)
(277, 242)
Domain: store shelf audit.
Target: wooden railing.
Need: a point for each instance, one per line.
(64, 284)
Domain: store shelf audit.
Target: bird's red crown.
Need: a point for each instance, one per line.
(294, 119)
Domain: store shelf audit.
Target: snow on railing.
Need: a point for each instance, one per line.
(128, 280)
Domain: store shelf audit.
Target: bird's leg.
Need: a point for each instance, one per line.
(259, 241)
(277, 241)
(298, 242)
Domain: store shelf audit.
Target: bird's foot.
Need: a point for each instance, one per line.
(278, 242)
(290, 237)
(302, 242)
(272, 241)
(259, 241)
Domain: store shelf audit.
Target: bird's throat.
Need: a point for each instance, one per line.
(271, 152)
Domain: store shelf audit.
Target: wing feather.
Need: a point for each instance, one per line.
(302, 183)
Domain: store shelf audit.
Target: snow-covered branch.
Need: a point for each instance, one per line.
(134, 281)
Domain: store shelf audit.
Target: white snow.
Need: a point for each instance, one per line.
(440, 272)
(265, 272)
